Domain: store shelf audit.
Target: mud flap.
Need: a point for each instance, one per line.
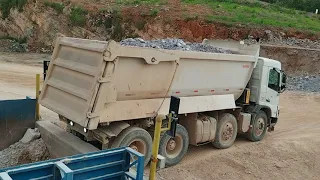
(16, 116)
(271, 127)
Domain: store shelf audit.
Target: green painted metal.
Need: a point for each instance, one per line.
(107, 164)
(16, 116)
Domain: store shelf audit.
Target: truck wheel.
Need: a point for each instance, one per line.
(137, 139)
(174, 149)
(227, 129)
(259, 127)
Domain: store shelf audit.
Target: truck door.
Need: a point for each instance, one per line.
(273, 90)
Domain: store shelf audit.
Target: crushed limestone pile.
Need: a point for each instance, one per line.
(174, 44)
(29, 149)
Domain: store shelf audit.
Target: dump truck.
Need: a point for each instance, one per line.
(111, 94)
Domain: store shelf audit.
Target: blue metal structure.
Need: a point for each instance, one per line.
(16, 116)
(106, 164)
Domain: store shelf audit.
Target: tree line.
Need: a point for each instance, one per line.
(304, 5)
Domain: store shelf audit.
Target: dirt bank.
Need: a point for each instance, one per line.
(294, 60)
(38, 24)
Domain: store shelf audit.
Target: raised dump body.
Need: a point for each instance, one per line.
(91, 82)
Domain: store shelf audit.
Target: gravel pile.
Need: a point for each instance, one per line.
(20, 153)
(174, 44)
(307, 83)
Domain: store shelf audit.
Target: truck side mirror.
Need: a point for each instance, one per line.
(283, 82)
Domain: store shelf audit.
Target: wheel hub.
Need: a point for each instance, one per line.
(174, 146)
(171, 144)
(138, 145)
(134, 147)
(260, 126)
(227, 132)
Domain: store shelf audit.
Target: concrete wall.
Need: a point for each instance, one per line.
(61, 143)
(294, 60)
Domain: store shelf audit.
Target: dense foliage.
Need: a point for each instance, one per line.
(6, 5)
(78, 16)
(304, 5)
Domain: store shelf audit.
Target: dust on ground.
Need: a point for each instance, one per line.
(18, 77)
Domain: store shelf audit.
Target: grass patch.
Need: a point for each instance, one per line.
(78, 16)
(119, 32)
(18, 40)
(154, 12)
(55, 5)
(7, 5)
(190, 17)
(139, 24)
(304, 5)
(137, 2)
(257, 13)
(113, 24)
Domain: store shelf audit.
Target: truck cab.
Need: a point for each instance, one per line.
(266, 84)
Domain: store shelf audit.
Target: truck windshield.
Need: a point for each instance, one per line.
(274, 79)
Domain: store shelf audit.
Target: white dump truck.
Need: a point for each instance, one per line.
(111, 94)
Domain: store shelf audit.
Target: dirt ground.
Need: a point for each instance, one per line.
(18, 77)
(292, 151)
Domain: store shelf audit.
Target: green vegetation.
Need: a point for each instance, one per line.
(135, 2)
(257, 13)
(190, 17)
(140, 24)
(55, 5)
(18, 40)
(78, 16)
(7, 5)
(113, 24)
(154, 12)
(304, 5)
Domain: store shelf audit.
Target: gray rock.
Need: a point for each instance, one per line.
(139, 39)
(30, 135)
(174, 44)
(306, 83)
(20, 153)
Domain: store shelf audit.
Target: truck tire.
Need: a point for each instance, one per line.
(258, 127)
(137, 139)
(174, 149)
(227, 129)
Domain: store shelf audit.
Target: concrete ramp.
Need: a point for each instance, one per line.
(61, 143)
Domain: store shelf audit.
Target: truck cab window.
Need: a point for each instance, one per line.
(274, 77)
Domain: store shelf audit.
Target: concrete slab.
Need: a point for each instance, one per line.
(61, 143)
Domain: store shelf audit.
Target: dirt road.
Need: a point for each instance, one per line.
(18, 77)
(292, 151)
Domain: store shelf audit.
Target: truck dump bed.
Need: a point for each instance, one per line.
(92, 82)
